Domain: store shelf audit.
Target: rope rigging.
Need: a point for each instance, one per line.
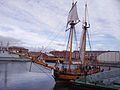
(55, 37)
(42, 70)
(89, 40)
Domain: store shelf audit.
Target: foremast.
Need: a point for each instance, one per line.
(72, 21)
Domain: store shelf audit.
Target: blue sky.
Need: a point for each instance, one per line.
(41, 23)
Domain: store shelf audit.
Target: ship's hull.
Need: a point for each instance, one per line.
(65, 76)
(82, 86)
(60, 75)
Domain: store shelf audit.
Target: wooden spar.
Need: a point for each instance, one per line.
(85, 31)
(72, 21)
(85, 45)
(71, 34)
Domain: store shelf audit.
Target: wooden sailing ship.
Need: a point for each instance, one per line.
(69, 70)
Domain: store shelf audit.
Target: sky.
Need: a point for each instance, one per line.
(38, 24)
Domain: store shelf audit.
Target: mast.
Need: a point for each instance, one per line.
(71, 40)
(72, 21)
(85, 28)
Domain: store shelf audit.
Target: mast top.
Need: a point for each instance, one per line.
(86, 18)
(73, 1)
(73, 15)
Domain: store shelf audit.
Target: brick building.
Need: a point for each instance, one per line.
(38, 55)
(61, 54)
(15, 49)
(90, 55)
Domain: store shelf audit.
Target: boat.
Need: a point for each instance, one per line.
(102, 80)
(72, 69)
(107, 80)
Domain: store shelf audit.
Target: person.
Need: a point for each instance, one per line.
(73, 23)
(85, 25)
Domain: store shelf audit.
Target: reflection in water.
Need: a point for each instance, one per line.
(5, 75)
(16, 76)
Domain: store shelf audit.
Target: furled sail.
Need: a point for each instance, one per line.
(73, 15)
(82, 47)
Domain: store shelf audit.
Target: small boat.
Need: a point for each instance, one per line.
(91, 86)
(70, 69)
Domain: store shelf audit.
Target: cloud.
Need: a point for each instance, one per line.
(38, 23)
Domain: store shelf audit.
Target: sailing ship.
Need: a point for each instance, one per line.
(70, 70)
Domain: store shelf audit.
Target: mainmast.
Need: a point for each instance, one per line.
(86, 25)
(72, 21)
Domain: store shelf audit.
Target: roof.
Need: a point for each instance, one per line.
(49, 54)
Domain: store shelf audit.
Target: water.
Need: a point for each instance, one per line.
(16, 76)
(61, 85)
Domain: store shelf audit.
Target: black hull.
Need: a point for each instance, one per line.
(56, 73)
(82, 86)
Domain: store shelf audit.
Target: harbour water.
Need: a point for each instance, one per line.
(16, 75)
(61, 85)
